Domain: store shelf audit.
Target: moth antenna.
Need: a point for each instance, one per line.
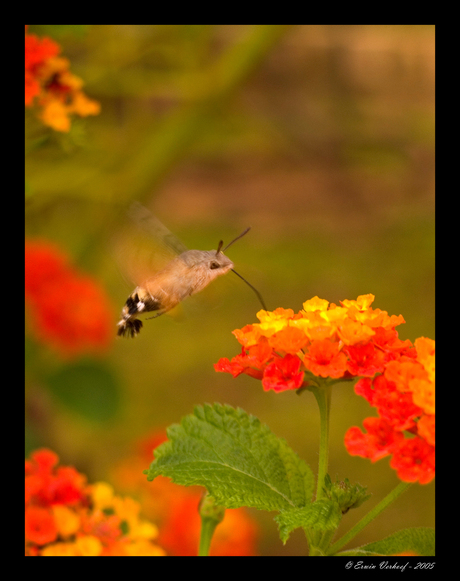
(219, 248)
(234, 240)
(259, 296)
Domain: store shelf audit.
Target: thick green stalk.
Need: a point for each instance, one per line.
(323, 397)
(322, 394)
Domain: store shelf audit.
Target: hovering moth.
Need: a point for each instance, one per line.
(184, 275)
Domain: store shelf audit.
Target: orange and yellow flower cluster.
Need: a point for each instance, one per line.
(324, 343)
(64, 516)
(288, 351)
(50, 85)
(69, 310)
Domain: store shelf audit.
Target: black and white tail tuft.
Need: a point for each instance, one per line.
(129, 327)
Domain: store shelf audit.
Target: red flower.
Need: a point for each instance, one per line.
(36, 54)
(283, 374)
(377, 443)
(251, 361)
(387, 340)
(404, 398)
(46, 485)
(414, 460)
(40, 528)
(365, 360)
(69, 310)
(397, 408)
(325, 359)
(364, 388)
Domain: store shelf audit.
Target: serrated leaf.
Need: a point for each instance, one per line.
(238, 459)
(322, 515)
(418, 541)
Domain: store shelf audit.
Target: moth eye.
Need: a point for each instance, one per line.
(214, 265)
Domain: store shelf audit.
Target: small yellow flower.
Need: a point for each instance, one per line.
(66, 519)
(315, 304)
(102, 495)
(88, 546)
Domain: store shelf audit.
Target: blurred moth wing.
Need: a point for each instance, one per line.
(152, 227)
(144, 246)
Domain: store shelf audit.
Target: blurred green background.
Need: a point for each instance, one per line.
(321, 138)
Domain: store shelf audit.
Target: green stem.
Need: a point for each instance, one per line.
(322, 394)
(323, 397)
(208, 526)
(370, 516)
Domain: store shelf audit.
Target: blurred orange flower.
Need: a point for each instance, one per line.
(50, 85)
(65, 516)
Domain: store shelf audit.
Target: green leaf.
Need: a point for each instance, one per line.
(238, 459)
(322, 515)
(87, 388)
(419, 541)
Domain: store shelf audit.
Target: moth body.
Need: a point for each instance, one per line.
(187, 274)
